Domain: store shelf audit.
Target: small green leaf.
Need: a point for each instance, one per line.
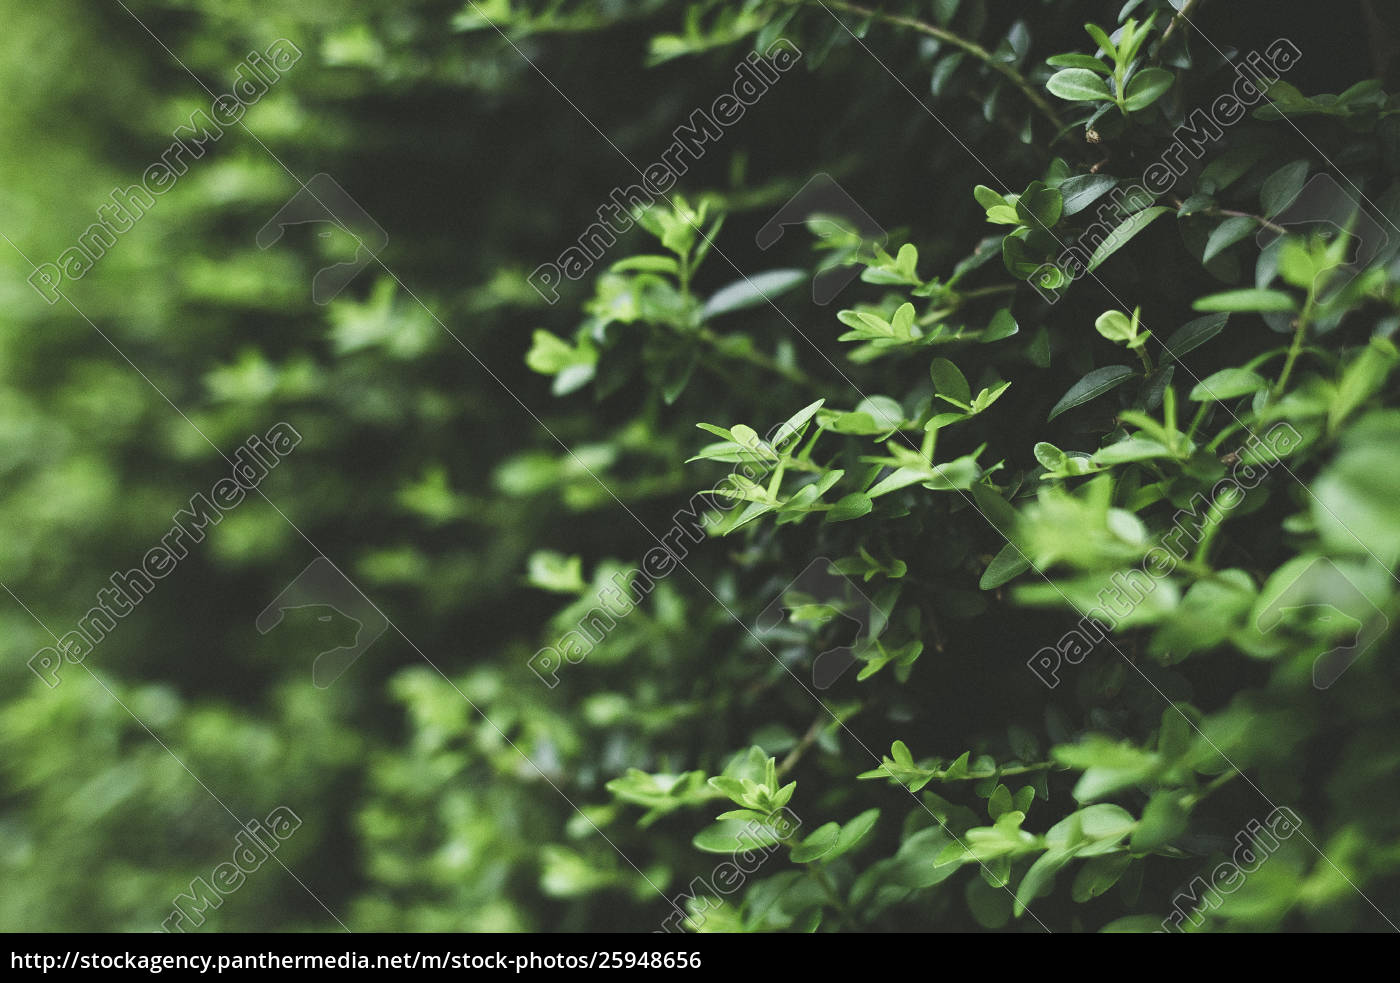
(1282, 186)
(817, 845)
(734, 835)
(1227, 384)
(852, 506)
(949, 381)
(1247, 300)
(1006, 565)
(1040, 206)
(1050, 456)
(1002, 325)
(1078, 60)
(1146, 87)
(758, 289)
(1083, 190)
(1193, 334)
(1163, 820)
(1079, 85)
(1091, 386)
(852, 833)
(1098, 875)
(1039, 878)
(1120, 236)
(1115, 326)
(1226, 234)
(986, 197)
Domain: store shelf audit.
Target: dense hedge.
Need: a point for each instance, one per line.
(926, 466)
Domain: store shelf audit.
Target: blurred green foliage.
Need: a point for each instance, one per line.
(977, 460)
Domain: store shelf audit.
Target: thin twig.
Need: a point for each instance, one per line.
(956, 40)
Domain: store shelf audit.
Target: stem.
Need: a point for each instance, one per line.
(942, 776)
(1196, 420)
(1272, 227)
(1145, 358)
(1234, 213)
(1294, 349)
(1001, 288)
(957, 41)
(1217, 782)
(808, 739)
(818, 874)
(1182, 18)
(1223, 435)
(1215, 515)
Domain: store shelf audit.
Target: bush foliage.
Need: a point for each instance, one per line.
(965, 499)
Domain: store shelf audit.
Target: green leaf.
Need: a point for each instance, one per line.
(735, 835)
(988, 396)
(1120, 236)
(556, 572)
(943, 72)
(1003, 215)
(1040, 877)
(760, 288)
(1006, 565)
(852, 506)
(1132, 449)
(1050, 456)
(1146, 87)
(1002, 325)
(817, 845)
(1230, 166)
(949, 381)
(897, 479)
(900, 754)
(1362, 379)
(1078, 60)
(1040, 206)
(1108, 766)
(1115, 326)
(790, 427)
(646, 264)
(1226, 234)
(1093, 830)
(852, 834)
(1079, 85)
(1098, 875)
(986, 197)
(1162, 821)
(1247, 300)
(1282, 186)
(1092, 386)
(1083, 190)
(1100, 38)
(1193, 334)
(1227, 384)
